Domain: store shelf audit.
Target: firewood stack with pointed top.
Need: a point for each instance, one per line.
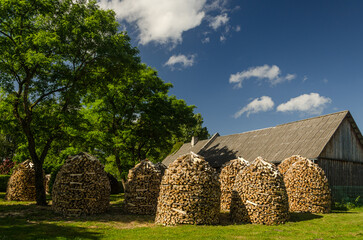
(260, 195)
(81, 187)
(143, 187)
(189, 193)
(307, 187)
(227, 179)
(21, 185)
(286, 164)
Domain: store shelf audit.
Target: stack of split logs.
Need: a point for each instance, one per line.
(189, 193)
(81, 187)
(143, 187)
(307, 187)
(286, 164)
(260, 195)
(227, 179)
(21, 185)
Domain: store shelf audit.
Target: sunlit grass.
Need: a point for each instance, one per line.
(25, 220)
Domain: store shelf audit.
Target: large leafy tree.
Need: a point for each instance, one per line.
(51, 53)
(134, 118)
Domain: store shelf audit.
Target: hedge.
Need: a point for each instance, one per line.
(4, 182)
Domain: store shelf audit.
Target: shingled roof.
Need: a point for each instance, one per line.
(305, 137)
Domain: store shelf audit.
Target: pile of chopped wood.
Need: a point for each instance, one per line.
(227, 178)
(81, 187)
(307, 188)
(189, 193)
(21, 185)
(260, 195)
(143, 187)
(286, 164)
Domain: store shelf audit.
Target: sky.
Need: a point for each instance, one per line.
(254, 64)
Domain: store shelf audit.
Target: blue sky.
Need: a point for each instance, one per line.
(252, 64)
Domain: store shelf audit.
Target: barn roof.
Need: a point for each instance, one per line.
(305, 137)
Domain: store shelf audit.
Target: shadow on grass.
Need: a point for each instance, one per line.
(300, 217)
(24, 229)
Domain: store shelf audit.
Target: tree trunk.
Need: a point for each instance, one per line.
(119, 167)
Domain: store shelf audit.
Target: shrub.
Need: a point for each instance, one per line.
(4, 182)
(6, 166)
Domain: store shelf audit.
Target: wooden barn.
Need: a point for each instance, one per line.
(333, 141)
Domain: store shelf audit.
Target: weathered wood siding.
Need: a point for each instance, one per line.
(342, 158)
(344, 145)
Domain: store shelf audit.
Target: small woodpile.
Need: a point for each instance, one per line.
(307, 188)
(260, 195)
(189, 193)
(286, 164)
(81, 187)
(143, 187)
(115, 185)
(21, 185)
(227, 179)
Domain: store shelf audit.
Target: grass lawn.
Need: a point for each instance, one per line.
(25, 220)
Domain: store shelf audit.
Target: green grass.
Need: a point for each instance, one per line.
(25, 220)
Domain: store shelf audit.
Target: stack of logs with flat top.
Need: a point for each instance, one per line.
(81, 187)
(260, 195)
(143, 186)
(307, 187)
(189, 193)
(21, 185)
(227, 179)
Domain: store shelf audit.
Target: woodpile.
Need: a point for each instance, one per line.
(21, 185)
(260, 195)
(307, 188)
(114, 184)
(227, 179)
(81, 187)
(286, 164)
(143, 187)
(189, 193)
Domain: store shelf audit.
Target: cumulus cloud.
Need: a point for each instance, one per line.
(262, 104)
(181, 60)
(219, 21)
(271, 73)
(160, 21)
(312, 104)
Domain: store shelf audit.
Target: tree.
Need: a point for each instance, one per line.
(134, 118)
(51, 53)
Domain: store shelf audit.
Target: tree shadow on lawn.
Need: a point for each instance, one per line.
(300, 217)
(15, 228)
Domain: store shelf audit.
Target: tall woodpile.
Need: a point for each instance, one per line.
(227, 179)
(260, 195)
(286, 164)
(307, 188)
(81, 187)
(189, 193)
(21, 185)
(143, 187)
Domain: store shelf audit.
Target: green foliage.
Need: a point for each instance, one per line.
(348, 204)
(6, 166)
(4, 182)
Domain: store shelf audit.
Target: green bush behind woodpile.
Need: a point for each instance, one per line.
(4, 182)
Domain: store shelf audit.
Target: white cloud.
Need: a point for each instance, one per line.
(262, 104)
(206, 40)
(160, 21)
(222, 38)
(238, 28)
(270, 73)
(325, 80)
(312, 103)
(184, 61)
(218, 21)
(305, 78)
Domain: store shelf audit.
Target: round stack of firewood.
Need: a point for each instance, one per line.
(227, 179)
(307, 188)
(286, 164)
(143, 187)
(21, 185)
(81, 187)
(260, 195)
(189, 193)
